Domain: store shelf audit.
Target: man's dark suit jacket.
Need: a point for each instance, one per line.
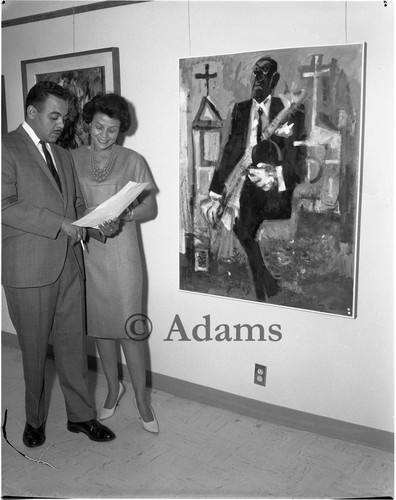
(33, 209)
(293, 161)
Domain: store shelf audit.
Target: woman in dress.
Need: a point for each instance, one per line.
(114, 277)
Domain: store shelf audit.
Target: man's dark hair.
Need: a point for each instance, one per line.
(272, 63)
(40, 92)
(112, 105)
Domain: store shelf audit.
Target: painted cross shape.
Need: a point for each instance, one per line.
(316, 70)
(206, 76)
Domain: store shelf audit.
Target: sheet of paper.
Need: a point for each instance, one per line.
(113, 207)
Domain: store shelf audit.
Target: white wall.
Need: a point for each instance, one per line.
(329, 366)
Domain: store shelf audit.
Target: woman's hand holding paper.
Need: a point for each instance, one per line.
(110, 227)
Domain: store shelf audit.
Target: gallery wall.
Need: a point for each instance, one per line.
(326, 365)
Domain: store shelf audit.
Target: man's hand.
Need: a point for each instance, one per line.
(285, 130)
(75, 233)
(264, 176)
(211, 208)
(213, 213)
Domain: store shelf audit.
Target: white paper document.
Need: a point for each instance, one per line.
(113, 207)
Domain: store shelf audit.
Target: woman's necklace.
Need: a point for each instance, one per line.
(101, 174)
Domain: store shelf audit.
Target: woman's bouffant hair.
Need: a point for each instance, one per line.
(112, 105)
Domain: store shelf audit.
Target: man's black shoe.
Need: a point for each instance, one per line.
(33, 437)
(93, 429)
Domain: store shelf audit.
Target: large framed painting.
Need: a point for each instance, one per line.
(84, 74)
(270, 176)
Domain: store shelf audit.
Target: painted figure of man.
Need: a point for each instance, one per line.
(259, 169)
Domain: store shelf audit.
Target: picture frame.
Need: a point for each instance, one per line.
(293, 240)
(84, 74)
(4, 126)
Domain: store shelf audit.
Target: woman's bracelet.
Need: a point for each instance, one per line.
(130, 214)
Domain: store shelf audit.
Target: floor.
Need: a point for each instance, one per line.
(201, 452)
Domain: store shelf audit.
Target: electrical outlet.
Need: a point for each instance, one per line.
(260, 374)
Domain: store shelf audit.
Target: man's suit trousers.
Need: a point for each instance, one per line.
(55, 310)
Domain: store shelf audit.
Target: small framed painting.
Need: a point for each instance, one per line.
(84, 74)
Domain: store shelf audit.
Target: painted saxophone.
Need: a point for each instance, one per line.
(229, 203)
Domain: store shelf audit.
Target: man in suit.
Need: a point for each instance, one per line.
(275, 168)
(42, 265)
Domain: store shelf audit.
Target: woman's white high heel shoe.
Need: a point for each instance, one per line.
(151, 426)
(109, 412)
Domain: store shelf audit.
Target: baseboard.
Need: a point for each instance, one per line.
(280, 415)
(337, 429)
